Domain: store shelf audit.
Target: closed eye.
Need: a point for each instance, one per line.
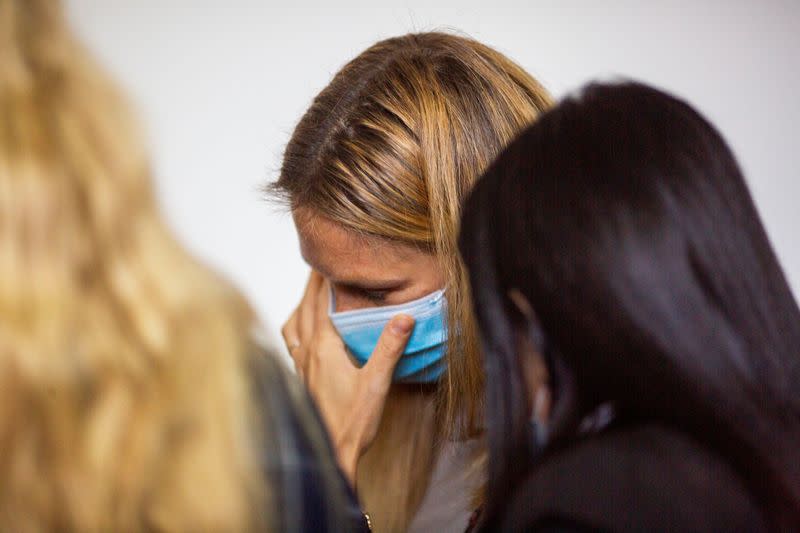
(373, 296)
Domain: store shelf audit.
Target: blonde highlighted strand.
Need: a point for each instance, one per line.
(390, 149)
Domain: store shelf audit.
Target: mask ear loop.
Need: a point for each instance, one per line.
(540, 428)
(562, 418)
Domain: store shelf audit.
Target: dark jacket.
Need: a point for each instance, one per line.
(647, 478)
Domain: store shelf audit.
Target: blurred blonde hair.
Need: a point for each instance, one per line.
(390, 148)
(124, 403)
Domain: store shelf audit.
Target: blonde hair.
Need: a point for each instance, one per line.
(390, 148)
(124, 403)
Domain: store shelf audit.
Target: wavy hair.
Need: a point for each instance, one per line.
(129, 384)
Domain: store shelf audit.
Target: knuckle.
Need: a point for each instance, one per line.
(375, 386)
(330, 338)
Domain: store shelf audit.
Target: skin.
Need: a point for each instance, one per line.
(534, 369)
(365, 271)
(362, 272)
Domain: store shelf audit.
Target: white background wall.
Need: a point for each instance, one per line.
(220, 84)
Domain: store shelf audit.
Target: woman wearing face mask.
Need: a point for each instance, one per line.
(375, 174)
(629, 262)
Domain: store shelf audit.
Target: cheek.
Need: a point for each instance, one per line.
(532, 365)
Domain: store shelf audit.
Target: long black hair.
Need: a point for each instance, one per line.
(622, 216)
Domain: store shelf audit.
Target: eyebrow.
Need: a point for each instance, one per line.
(358, 283)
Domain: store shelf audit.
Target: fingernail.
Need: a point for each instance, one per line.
(402, 324)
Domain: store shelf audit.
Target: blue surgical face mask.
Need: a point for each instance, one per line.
(423, 359)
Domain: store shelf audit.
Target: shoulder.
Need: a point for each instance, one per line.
(640, 479)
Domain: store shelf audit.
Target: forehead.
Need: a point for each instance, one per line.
(340, 253)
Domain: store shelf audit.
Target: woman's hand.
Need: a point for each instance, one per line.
(351, 399)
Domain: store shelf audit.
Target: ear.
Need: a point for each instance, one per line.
(529, 341)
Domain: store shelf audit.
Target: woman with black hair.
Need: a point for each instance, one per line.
(640, 339)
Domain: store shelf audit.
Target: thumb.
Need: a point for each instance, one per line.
(391, 344)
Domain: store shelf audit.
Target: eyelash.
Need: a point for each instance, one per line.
(377, 297)
(374, 296)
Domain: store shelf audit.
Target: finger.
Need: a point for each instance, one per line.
(292, 340)
(323, 304)
(323, 326)
(308, 304)
(289, 330)
(384, 358)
